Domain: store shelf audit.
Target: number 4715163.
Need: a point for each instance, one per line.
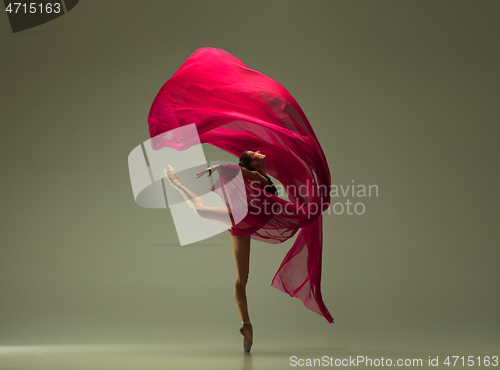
(471, 360)
(33, 8)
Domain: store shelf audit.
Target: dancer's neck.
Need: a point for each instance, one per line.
(261, 170)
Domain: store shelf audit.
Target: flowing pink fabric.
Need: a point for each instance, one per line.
(236, 108)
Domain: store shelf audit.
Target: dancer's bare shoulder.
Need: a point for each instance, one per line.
(254, 176)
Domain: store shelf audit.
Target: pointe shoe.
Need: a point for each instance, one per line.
(247, 333)
(171, 176)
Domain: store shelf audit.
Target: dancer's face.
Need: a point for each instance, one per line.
(257, 156)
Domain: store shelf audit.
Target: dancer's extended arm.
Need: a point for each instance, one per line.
(253, 176)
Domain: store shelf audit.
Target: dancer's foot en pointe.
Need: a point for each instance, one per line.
(193, 201)
(172, 177)
(247, 332)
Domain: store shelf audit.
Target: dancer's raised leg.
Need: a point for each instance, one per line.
(241, 254)
(220, 214)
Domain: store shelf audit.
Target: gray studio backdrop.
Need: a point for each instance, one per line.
(401, 94)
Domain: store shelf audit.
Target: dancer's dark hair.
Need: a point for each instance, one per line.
(246, 161)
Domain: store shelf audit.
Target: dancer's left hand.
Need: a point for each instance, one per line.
(209, 170)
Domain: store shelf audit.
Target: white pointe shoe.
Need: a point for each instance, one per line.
(171, 176)
(247, 333)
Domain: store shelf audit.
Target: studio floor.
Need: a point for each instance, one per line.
(202, 355)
